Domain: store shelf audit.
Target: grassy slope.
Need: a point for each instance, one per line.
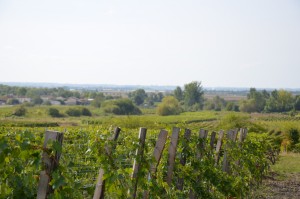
(288, 163)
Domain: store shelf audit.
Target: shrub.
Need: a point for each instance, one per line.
(86, 112)
(73, 112)
(169, 106)
(121, 107)
(53, 112)
(20, 111)
(294, 136)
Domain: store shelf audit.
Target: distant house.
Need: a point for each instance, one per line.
(2, 102)
(115, 93)
(55, 102)
(23, 99)
(71, 101)
(46, 98)
(61, 98)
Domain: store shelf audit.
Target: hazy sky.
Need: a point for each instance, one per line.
(234, 43)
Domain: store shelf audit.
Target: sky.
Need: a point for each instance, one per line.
(232, 43)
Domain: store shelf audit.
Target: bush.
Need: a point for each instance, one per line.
(86, 112)
(169, 106)
(294, 136)
(73, 112)
(53, 112)
(20, 111)
(121, 107)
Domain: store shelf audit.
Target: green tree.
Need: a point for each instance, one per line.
(37, 100)
(21, 91)
(248, 105)
(169, 106)
(217, 103)
(193, 95)
(138, 96)
(297, 103)
(280, 101)
(178, 93)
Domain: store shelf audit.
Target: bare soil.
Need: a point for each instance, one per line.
(276, 186)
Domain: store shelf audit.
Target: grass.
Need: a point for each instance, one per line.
(288, 163)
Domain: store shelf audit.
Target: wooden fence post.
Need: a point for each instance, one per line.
(202, 145)
(157, 153)
(138, 159)
(200, 152)
(218, 147)
(50, 164)
(100, 185)
(212, 140)
(231, 136)
(172, 154)
(187, 136)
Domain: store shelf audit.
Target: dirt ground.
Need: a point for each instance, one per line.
(279, 187)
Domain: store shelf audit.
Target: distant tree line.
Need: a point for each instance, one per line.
(275, 101)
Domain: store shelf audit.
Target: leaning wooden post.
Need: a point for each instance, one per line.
(172, 154)
(157, 153)
(50, 163)
(218, 147)
(138, 159)
(187, 136)
(100, 185)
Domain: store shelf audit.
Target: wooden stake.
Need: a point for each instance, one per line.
(172, 154)
(157, 153)
(137, 161)
(50, 164)
(100, 185)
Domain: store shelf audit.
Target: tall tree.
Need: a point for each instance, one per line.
(138, 96)
(280, 101)
(178, 93)
(193, 95)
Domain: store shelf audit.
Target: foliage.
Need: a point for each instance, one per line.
(231, 106)
(20, 161)
(86, 112)
(169, 106)
(193, 95)
(152, 98)
(237, 121)
(20, 111)
(121, 107)
(293, 136)
(280, 101)
(297, 103)
(217, 104)
(12, 101)
(98, 99)
(37, 100)
(138, 96)
(178, 94)
(54, 112)
(75, 112)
